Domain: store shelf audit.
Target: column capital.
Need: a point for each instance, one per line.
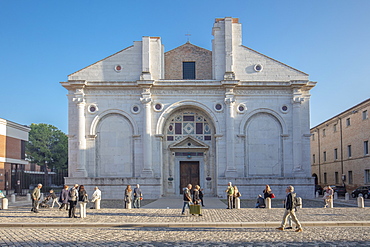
(230, 100)
(145, 100)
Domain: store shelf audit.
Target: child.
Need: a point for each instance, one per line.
(54, 198)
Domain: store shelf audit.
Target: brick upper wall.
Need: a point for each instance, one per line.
(188, 53)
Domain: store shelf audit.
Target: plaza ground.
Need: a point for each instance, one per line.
(156, 225)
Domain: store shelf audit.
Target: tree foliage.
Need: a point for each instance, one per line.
(47, 145)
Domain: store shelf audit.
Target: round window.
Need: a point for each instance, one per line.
(258, 68)
(218, 107)
(118, 68)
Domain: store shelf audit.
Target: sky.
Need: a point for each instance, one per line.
(43, 41)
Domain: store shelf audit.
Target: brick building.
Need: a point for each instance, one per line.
(13, 138)
(340, 148)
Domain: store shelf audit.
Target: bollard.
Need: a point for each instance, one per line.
(237, 203)
(97, 204)
(331, 203)
(360, 202)
(12, 198)
(268, 202)
(299, 202)
(317, 194)
(5, 203)
(335, 195)
(28, 197)
(346, 197)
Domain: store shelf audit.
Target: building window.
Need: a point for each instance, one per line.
(335, 127)
(350, 177)
(367, 176)
(324, 132)
(336, 178)
(366, 147)
(23, 149)
(324, 156)
(336, 154)
(313, 159)
(364, 115)
(313, 137)
(188, 70)
(187, 123)
(349, 151)
(348, 121)
(325, 178)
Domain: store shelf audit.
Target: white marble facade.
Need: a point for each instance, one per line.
(248, 123)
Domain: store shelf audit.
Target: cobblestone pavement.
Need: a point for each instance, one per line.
(184, 237)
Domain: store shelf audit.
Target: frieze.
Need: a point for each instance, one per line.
(262, 92)
(112, 92)
(188, 91)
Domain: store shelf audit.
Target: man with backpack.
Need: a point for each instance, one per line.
(72, 199)
(290, 208)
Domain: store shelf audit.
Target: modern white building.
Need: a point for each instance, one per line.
(190, 115)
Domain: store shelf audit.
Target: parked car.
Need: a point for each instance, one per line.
(318, 188)
(364, 190)
(341, 190)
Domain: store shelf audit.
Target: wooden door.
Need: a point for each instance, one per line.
(189, 174)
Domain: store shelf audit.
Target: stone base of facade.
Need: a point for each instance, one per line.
(250, 188)
(114, 188)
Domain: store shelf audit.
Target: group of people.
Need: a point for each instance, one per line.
(133, 196)
(193, 197)
(68, 199)
(232, 195)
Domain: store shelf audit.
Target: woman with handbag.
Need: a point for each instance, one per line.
(196, 201)
(128, 197)
(83, 200)
(236, 200)
(267, 192)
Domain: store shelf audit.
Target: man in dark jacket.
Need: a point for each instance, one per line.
(290, 208)
(187, 198)
(35, 198)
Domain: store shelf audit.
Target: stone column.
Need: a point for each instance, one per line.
(297, 131)
(81, 133)
(230, 137)
(147, 134)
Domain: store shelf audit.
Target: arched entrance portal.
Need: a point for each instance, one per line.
(188, 151)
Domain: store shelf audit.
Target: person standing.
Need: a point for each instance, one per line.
(83, 200)
(328, 196)
(36, 193)
(229, 194)
(63, 198)
(267, 191)
(72, 199)
(96, 197)
(137, 196)
(236, 195)
(128, 197)
(290, 208)
(187, 198)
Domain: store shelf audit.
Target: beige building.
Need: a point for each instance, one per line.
(340, 148)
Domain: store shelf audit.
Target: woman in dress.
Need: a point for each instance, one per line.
(235, 196)
(82, 198)
(128, 197)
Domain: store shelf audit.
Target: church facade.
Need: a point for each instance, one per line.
(190, 115)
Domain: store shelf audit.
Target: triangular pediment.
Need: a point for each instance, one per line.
(189, 142)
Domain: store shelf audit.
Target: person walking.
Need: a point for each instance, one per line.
(328, 196)
(229, 194)
(35, 196)
(187, 198)
(128, 197)
(196, 198)
(290, 208)
(137, 196)
(95, 198)
(83, 200)
(54, 198)
(72, 199)
(63, 198)
(201, 195)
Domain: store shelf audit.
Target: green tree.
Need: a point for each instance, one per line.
(47, 147)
